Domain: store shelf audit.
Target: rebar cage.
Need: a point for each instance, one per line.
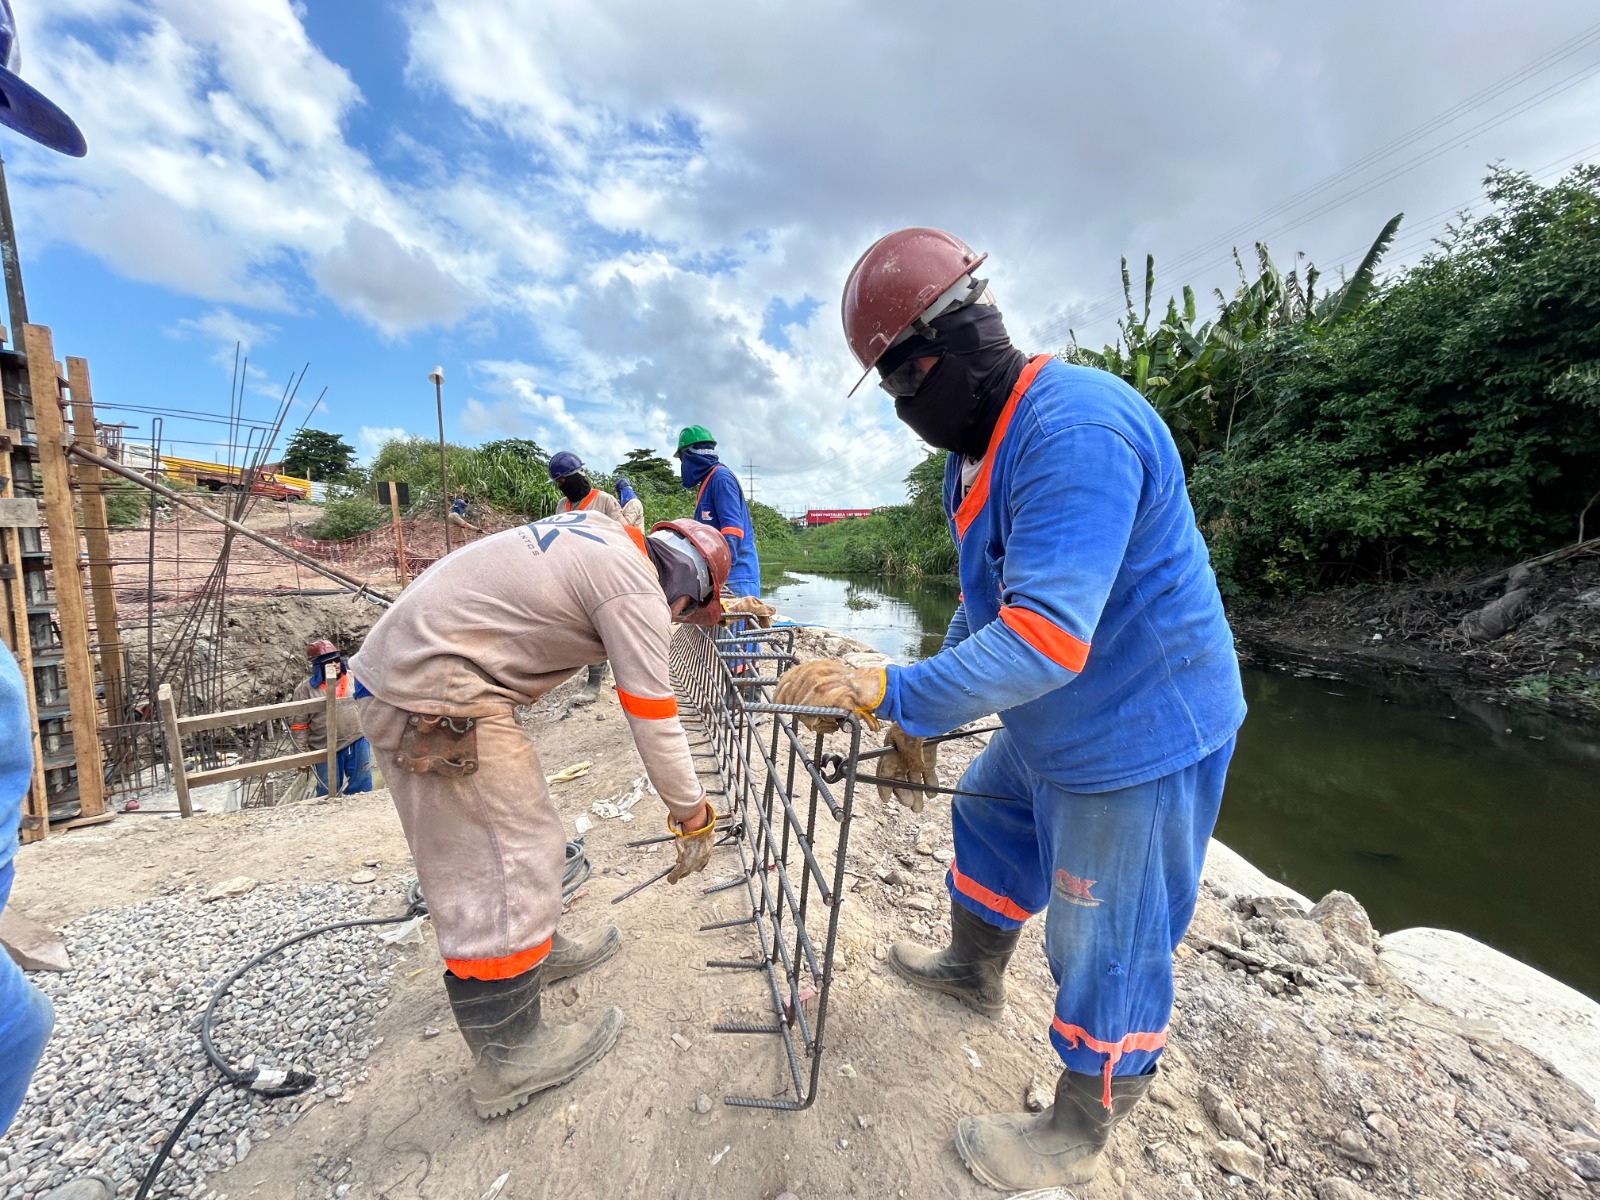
(775, 795)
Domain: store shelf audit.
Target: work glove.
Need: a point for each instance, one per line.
(750, 606)
(694, 848)
(911, 759)
(829, 683)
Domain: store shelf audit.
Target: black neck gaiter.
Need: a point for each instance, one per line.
(676, 573)
(957, 406)
(574, 487)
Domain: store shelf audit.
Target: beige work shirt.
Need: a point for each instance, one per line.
(310, 730)
(504, 619)
(596, 501)
(633, 513)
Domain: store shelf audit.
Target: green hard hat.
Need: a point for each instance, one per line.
(693, 435)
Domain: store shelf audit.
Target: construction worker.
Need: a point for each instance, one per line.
(495, 625)
(578, 495)
(632, 506)
(719, 502)
(458, 515)
(310, 731)
(1091, 622)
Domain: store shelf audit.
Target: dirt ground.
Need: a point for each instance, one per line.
(1295, 1060)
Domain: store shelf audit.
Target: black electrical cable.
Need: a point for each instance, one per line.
(277, 1084)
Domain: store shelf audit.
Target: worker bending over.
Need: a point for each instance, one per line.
(310, 732)
(719, 502)
(495, 625)
(1091, 622)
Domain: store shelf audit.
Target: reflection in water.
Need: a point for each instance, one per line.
(1430, 814)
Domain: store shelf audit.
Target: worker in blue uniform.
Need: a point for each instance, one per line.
(1090, 621)
(719, 502)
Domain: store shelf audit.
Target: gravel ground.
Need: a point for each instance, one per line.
(125, 1060)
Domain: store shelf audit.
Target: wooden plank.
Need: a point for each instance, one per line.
(71, 608)
(330, 697)
(80, 822)
(97, 533)
(169, 725)
(19, 512)
(36, 804)
(249, 716)
(287, 762)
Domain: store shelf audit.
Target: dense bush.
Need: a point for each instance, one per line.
(348, 516)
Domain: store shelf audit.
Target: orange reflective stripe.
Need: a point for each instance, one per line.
(644, 706)
(730, 531)
(297, 728)
(589, 499)
(637, 534)
(1045, 636)
(508, 967)
(993, 901)
(1076, 1036)
(978, 493)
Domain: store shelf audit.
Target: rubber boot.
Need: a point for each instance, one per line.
(590, 691)
(574, 956)
(518, 1053)
(972, 968)
(1059, 1147)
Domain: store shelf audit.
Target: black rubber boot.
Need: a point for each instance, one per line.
(574, 956)
(972, 968)
(590, 691)
(518, 1053)
(1059, 1147)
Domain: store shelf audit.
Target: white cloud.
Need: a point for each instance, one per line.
(228, 329)
(370, 439)
(395, 287)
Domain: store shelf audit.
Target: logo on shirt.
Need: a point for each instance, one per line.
(546, 531)
(1076, 891)
(705, 515)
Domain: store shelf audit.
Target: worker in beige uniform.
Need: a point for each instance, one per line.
(310, 731)
(497, 624)
(579, 495)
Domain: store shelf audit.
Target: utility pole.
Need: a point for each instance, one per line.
(437, 376)
(751, 467)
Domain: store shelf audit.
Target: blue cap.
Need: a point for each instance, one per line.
(24, 108)
(565, 463)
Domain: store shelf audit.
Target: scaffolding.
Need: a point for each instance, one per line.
(791, 827)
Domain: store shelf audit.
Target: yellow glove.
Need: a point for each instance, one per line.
(829, 683)
(750, 606)
(693, 846)
(911, 759)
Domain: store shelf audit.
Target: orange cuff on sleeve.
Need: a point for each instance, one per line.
(650, 710)
(730, 531)
(1045, 636)
(508, 967)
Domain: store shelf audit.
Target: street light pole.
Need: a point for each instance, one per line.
(437, 376)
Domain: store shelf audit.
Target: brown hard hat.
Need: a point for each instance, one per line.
(895, 283)
(321, 647)
(714, 550)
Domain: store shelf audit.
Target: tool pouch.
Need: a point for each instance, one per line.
(434, 745)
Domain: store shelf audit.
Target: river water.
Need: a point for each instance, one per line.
(1475, 819)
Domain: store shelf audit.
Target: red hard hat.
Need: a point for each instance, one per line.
(715, 551)
(905, 277)
(321, 647)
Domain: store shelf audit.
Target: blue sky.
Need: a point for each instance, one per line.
(610, 218)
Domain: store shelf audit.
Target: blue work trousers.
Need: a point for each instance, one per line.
(1116, 875)
(26, 1018)
(355, 769)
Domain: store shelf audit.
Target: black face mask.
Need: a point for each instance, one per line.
(676, 573)
(959, 402)
(574, 487)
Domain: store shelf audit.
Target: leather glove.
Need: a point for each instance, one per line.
(829, 683)
(751, 606)
(694, 848)
(911, 759)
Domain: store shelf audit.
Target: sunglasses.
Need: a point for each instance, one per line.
(906, 379)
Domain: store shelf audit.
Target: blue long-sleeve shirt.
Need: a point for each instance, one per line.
(1090, 618)
(719, 502)
(16, 755)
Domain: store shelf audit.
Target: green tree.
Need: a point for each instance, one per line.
(645, 468)
(316, 454)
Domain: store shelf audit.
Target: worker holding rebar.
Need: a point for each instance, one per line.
(310, 731)
(458, 515)
(495, 625)
(1090, 621)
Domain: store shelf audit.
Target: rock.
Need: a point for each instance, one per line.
(239, 885)
(847, 1070)
(1384, 1127)
(241, 1147)
(1334, 1188)
(1341, 913)
(1223, 1112)
(1586, 1166)
(1353, 1146)
(1162, 1093)
(88, 1188)
(681, 1042)
(866, 1121)
(1040, 1095)
(1276, 908)
(429, 1033)
(924, 849)
(31, 946)
(1578, 1141)
(919, 903)
(1302, 941)
(702, 1104)
(363, 877)
(1238, 1159)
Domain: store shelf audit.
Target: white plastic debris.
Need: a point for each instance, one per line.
(407, 933)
